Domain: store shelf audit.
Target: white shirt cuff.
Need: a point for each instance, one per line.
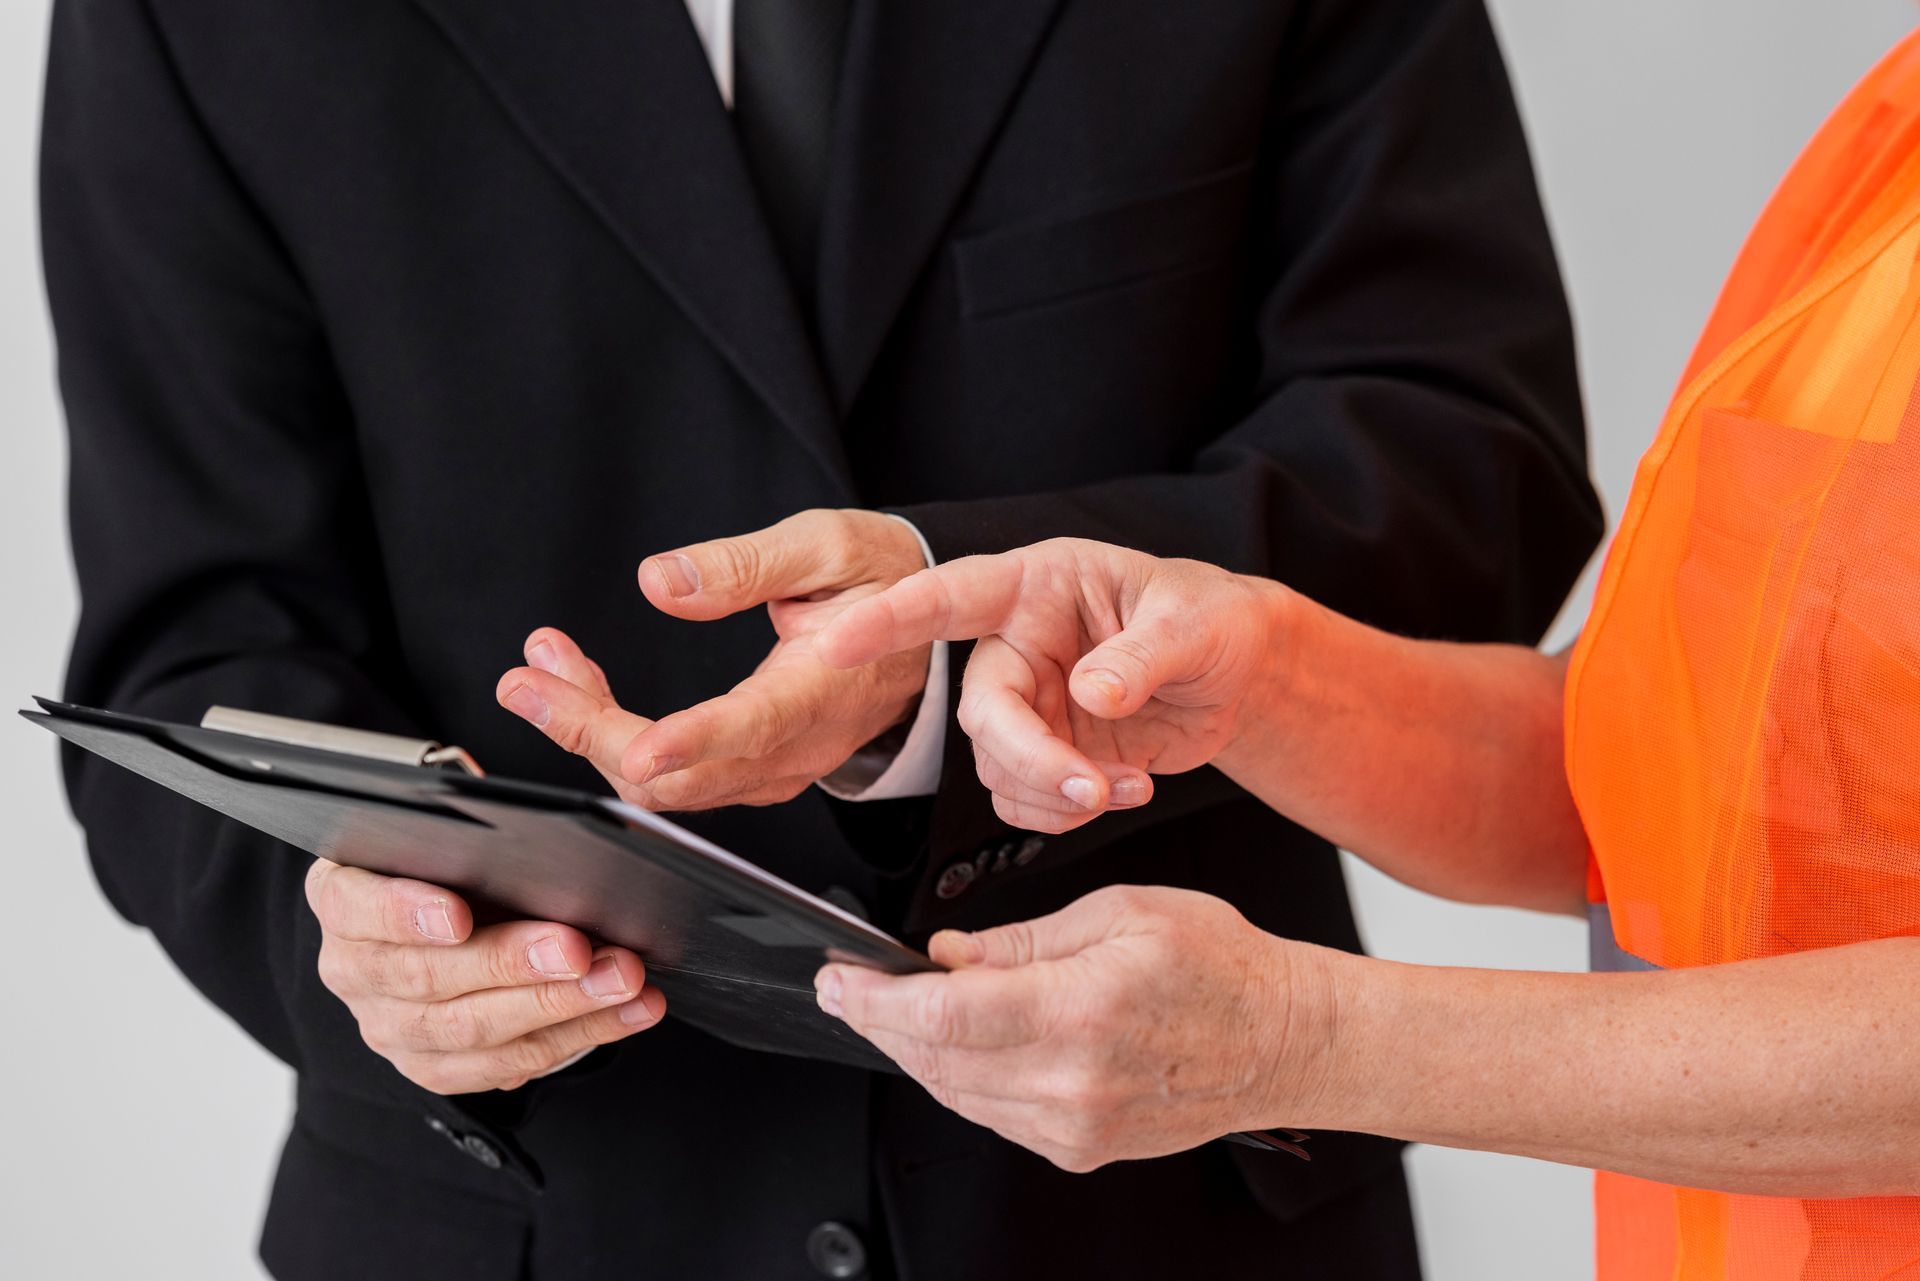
(871, 775)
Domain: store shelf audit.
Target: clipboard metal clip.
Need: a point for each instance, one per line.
(392, 748)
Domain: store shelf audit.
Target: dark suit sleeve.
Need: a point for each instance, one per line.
(219, 520)
(1415, 455)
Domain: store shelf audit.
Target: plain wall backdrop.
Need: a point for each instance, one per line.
(143, 1127)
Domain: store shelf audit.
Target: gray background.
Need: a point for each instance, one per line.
(142, 1126)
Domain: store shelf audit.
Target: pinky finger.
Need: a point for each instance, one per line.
(550, 1049)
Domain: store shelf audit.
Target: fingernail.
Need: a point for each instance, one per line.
(1107, 683)
(604, 980)
(1131, 790)
(549, 958)
(827, 988)
(432, 921)
(1083, 792)
(640, 1013)
(543, 657)
(658, 765)
(529, 706)
(679, 574)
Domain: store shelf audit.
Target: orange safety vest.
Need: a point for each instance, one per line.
(1743, 710)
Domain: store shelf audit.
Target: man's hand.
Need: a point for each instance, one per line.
(792, 722)
(457, 1009)
(1133, 1023)
(1097, 666)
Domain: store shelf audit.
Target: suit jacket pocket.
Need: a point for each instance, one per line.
(1166, 233)
(340, 1212)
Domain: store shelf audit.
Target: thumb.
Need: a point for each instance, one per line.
(1115, 678)
(812, 551)
(1072, 929)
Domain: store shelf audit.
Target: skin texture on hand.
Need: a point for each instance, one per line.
(1133, 1023)
(1438, 763)
(1096, 667)
(793, 721)
(1139, 1022)
(458, 1010)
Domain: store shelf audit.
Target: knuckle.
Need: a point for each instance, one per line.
(946, 1098)
(1032, 762)
(968, 714)
(373, 966)
(1084, 1093)
(335, 971)
(571, 735)
(786, 789)
(677, 792)
(556, 1002)
(845, 548)
(1075, 1162)
(1082, 1134)
(1131, 650)
(460, 1026)
(774, 720)
(738, 560)
(924, 1065)
(1018, 940)
(378, 1035)
(412, 973)
(937, 1016)
(432, 1073)
(319, 888)
(525, 1058)
(1121, 900)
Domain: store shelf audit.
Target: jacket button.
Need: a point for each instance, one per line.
(835, 1250)
(471, 1144)
(1029, 850)
(954, 881)
(482, 1151)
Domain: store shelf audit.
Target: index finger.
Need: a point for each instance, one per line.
(978, 1009)
(365, 907)
(963, 599)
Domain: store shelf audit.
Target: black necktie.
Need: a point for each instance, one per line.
(786, 66)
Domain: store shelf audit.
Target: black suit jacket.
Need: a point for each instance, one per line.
(391, 329)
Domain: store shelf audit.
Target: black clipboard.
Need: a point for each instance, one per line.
(734, 947)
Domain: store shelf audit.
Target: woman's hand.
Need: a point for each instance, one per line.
(1134, 1023)
(1099, 666)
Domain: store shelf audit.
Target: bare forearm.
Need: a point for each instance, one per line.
(1440, 764)
(1793, 1076)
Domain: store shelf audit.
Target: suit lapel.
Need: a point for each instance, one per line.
(618, 97)
(924, 85)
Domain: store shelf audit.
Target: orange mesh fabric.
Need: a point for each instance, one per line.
(1743, 714)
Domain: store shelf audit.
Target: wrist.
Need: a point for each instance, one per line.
(909, 552)
(1297, 1047)
(1260, 720)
